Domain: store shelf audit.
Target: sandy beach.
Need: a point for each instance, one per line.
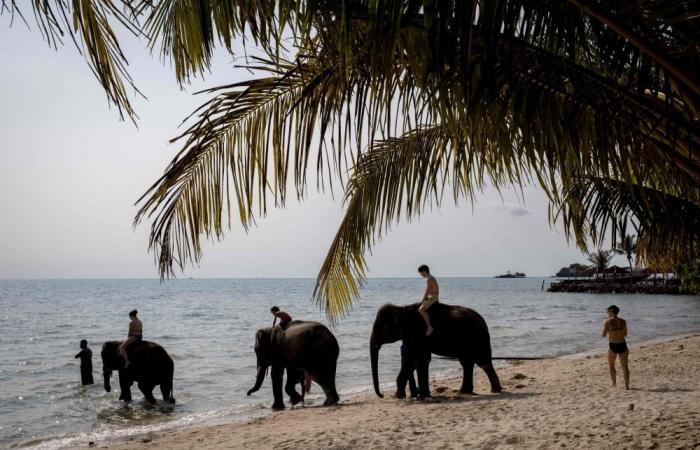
(564, 402)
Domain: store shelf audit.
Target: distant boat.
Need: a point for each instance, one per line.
(511, 275)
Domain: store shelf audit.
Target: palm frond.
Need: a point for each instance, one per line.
(514, 90)
(401, 177)
(667, 225)
(394, 174)
(226, 150)
(89, 24)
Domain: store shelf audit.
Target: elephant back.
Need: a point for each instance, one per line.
(457, 329)
(314, 337)
(150, 357)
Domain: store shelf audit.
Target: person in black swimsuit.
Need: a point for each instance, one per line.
(615, 329)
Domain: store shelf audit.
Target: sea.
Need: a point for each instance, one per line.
(208, 327)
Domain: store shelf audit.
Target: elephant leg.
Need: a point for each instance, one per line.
(147, 390)
(412, 387)
(406, 376)
(166, 389)
(422, 369)
(326, 379)
(493, 376)
(401, 381)
(124, 386)
(277, 375)
(468, 377)
(294, 377)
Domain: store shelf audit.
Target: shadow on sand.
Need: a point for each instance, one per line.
(662, 389)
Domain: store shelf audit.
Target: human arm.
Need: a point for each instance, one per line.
(274, 322)
(78, 355)
(624, 328)
(605, 327)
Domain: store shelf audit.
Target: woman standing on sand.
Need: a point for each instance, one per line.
(615, 329)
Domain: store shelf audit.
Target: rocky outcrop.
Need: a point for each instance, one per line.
(597, 287)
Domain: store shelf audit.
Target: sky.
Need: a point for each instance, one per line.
(71, 171)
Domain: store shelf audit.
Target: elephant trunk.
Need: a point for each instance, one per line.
(374, 358)
(262, 370)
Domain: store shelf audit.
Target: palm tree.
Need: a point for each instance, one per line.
(394, 102)
(627, 246)
(600, 260)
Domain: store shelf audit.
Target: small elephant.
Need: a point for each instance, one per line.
(302, 346)
(150, 366)
(459, 333)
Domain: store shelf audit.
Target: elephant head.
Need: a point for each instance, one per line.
(263, 352)
(111, 360)
(386, 329)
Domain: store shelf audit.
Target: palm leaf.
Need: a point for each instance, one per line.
(667, 226)
(89, 24)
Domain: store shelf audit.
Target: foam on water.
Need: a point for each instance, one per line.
(208, 327)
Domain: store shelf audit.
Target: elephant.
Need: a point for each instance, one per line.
(150, 365)
(459, 333)
(302, 346)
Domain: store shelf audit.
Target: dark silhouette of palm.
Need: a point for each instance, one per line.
(600, 259)
(627, 246)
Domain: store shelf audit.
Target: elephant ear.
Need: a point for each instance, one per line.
(262, 339)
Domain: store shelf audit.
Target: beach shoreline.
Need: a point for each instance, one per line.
(663, 398)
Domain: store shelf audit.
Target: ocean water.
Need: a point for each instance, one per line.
(208, 328)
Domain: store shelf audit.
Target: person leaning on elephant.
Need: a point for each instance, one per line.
(135, 335)
(432, 292)
(306, 351)
(285, 319)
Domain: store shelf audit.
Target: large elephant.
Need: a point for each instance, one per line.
(299, 347)
(150, 366)
(459, 333)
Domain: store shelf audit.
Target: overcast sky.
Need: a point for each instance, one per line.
(71, 171)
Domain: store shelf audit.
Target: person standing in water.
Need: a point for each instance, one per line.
(135, 335)
(432, 292)
(85, 355)
(615, 329)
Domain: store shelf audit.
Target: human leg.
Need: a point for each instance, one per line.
(123, 348)
(611, 365)
(624, 360)
(423, 310)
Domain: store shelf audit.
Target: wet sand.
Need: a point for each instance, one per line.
(558, 403)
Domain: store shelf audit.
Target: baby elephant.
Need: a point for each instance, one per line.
(300, 347)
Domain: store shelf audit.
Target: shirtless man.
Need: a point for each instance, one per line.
(432, 292)
(284, 318)
(135, 335)
(615, 328)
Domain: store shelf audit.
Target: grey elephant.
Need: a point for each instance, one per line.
(150, 366)
(301, 346)
(459, 333)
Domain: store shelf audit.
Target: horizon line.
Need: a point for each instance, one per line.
(244, 278)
